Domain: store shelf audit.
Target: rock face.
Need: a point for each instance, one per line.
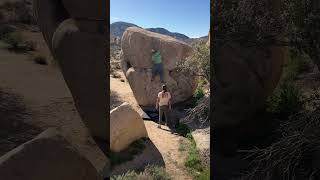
(137, 65)
(48, 156)
(75, 38)
(126, 126)
(248, 80)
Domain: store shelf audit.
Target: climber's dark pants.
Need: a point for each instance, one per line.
(163, 110)
(157, 69)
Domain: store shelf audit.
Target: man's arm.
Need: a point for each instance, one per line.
(169, 102)
(157, 102)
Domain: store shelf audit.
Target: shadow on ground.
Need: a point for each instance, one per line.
(114, 100)
(149, 155)
(14, 131)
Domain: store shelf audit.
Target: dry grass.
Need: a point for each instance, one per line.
(199, 114)
(289, 158)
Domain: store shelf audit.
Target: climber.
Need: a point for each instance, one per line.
(164, 104)
(157, 65)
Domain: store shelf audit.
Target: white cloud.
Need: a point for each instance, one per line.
(113, 19)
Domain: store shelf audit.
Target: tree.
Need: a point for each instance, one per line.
(199, 61)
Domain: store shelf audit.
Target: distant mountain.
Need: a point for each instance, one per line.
(166, 32)
(195, 40)
(118, 28)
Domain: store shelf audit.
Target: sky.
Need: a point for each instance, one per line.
(189, 17)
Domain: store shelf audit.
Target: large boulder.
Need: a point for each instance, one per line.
(74, 33)
(126, 126)
(136, 63)
(48, 156)
(247, 70)
(244, 79)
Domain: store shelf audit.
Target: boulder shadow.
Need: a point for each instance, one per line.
(14, 129)
(149, 156)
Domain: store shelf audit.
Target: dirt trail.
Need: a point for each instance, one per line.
(165, 143)
(168, 144)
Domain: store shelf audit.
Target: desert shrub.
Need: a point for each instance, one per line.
(182, 129)
(198, 63)
(40, 60)
(158, 173)
(199, 93)
(193, 162)
(151, 172)
(285, 100)
(204, 175)
(19, 11)
(5, 30)
(13, 39)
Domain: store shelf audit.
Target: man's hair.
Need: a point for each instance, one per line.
(164, 88)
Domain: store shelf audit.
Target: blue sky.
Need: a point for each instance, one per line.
(189, 17)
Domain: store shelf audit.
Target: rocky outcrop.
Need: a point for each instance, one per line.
(48, 156)
(126, 126)
(75, 38)
(137, 65)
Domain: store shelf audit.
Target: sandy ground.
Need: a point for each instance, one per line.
(47, 98)
(164, 146)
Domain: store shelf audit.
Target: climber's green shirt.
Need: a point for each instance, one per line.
(156, 58)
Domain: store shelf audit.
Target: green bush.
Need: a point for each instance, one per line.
(285, 100)
(13, 39)
(204, 175)
(193, 160)
(5, 30)
(183, 129)
(199, 93)
(151, 172)
(199, 61)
